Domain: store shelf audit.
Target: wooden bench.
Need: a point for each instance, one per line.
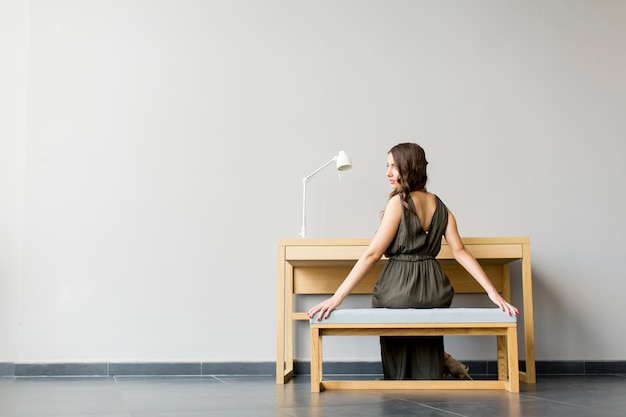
(419, 322)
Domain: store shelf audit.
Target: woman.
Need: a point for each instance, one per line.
(410, 234)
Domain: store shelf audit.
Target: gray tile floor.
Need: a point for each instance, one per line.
(571, 396)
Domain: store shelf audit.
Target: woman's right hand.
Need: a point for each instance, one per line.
(325, 308)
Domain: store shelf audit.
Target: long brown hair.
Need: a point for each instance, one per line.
(410, 160)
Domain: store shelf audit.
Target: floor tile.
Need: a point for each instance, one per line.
(260, 396)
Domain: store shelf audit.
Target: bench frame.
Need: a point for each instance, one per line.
(506, 336)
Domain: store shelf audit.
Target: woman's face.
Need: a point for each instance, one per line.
(392, 173)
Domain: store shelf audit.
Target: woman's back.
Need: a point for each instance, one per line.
(425, 205)
(412, 278)
(414, 237)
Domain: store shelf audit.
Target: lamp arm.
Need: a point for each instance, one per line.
(308, 177)
(303, 229)
(304, 181)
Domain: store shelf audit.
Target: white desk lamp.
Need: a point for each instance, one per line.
(343, 163)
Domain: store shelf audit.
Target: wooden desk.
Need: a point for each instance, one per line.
(318, 266)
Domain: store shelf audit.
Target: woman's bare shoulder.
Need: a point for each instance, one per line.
(424, 197)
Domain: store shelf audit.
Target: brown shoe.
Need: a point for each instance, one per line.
(455, 368)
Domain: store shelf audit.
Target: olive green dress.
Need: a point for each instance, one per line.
(412, 278)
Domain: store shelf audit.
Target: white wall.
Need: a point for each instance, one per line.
(167, 141)
(13, 91)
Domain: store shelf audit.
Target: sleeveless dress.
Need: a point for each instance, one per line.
(413, 278)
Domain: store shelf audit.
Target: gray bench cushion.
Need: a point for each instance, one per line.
(412, 315)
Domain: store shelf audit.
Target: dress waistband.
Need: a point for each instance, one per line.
(411, 257)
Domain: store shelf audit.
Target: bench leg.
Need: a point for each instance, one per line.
(316, 359)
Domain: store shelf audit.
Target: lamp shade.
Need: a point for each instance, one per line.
(343, 161)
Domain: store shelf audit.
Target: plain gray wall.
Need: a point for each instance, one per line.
(152, 153)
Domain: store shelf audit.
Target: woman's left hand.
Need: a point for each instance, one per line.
(506, 307)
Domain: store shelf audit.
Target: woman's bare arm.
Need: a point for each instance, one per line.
(471, 265)
(380, 242)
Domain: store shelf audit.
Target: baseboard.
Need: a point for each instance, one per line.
(481, 367)
(7, 369)
(268, 368)
(143, 369)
